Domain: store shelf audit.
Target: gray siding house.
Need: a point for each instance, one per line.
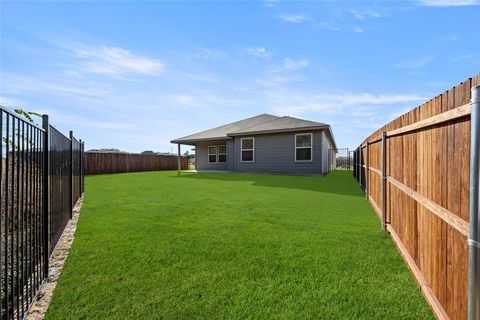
(266, 144)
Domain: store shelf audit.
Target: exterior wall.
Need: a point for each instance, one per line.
(328, 154)
(275, 153)
(201, 156)
(325, 154)
(231, 155)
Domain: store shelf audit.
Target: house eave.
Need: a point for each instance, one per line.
(194, 141)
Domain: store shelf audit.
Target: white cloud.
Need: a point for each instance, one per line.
(415, 64)
(89, 122)
(31, 83)
(328, 26)
(11, 102)
(259, 52)
(183, 99)
(451, 38)
(448, 3)
(364, 14)
(357, 29)
(211, 54)
(295, 18)
(289, 64)
(270, 3)
(278, 80)
(463, 58)
(116, 61)
(201, 100)
(298, 103)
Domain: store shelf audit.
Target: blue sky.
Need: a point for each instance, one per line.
(134, 75)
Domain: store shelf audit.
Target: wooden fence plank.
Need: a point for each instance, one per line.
(432, 300)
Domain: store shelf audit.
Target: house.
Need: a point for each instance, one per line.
(265, 143)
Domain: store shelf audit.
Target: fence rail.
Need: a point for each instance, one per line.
(33, 208)
(110, 162)
(415, 171)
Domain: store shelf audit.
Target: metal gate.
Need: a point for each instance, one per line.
(340, 159)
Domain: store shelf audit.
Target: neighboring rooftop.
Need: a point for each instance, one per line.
(264, 123)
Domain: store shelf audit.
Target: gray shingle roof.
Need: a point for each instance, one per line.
(222, 131)
(264, 123)
(280, 124)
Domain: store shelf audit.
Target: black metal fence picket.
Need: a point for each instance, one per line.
(36, 188)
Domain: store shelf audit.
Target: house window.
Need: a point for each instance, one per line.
(222, 153)
(248, 149)
(303, 147)
(212, 154)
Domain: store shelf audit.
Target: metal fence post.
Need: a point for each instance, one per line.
(46, 190)
(384, 180)
(360, 166)
(474, 231)
(83, 166)
(356, 164)
(367, 164)
(355, 159)
(80, 169)
(348, 159)
(71, 174)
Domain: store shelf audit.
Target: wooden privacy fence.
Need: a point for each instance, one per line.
(416, 173)
(111, 162)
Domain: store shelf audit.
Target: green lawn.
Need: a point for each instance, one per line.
(232, 246)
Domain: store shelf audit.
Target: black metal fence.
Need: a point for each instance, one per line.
(340, 159)
(38, 174)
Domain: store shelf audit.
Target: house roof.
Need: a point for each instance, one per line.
(261, 124)
(281, 124)
(220, 133)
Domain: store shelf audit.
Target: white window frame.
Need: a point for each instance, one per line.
(211, 154)
(222, 154)
(311, 146)
(253, 149)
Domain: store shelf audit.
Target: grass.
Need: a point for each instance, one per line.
(232, 246)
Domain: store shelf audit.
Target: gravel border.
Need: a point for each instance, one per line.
(56, 262)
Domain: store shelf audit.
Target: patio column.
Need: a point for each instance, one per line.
(179, 160)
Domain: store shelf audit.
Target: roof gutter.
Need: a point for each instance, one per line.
(193, 141)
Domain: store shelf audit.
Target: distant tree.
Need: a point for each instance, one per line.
(113, 150)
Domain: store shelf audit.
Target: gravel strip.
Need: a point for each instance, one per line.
(56, 263)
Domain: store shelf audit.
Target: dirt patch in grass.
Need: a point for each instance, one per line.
(56, 263)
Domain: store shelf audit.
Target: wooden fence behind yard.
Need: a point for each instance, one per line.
(427, 172)
(109, 162)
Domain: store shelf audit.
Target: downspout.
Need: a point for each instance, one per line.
(474, 238)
